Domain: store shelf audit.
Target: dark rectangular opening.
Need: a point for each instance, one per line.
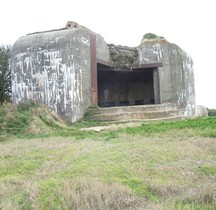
(125, 87)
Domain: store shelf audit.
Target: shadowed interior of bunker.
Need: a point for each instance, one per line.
(125, 87)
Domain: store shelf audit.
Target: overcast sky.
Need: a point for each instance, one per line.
(188, 23)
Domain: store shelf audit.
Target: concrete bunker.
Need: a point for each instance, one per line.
(72, 68)
(127, 87)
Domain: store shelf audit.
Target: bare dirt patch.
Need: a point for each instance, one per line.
(112, 126)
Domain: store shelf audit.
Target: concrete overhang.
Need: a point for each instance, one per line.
(148, 65)
(140, 66)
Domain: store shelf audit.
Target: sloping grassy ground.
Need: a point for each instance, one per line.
(48, 164)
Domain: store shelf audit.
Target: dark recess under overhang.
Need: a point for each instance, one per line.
(126, 87)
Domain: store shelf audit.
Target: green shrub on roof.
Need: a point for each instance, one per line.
(150, 36)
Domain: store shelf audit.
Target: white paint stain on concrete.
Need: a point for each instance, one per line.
(157, 50)
(85, 41)
(53, 83)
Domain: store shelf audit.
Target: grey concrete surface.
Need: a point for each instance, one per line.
(54, 68)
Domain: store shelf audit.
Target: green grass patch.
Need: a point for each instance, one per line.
(23, 200)
(14, 120)
(48, 199)
(17, 200)
(202, 126)
(49, 122)
(209, 170)
(139, 188)
(20, 166)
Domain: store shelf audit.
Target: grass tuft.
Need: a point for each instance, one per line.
(92, 194)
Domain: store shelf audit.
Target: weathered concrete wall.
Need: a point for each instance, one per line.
(102, 49)
(176, 75)
(54, 68)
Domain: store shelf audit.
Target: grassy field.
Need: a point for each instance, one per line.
(48, 164)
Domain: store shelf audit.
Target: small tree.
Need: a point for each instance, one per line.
(5, 75)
